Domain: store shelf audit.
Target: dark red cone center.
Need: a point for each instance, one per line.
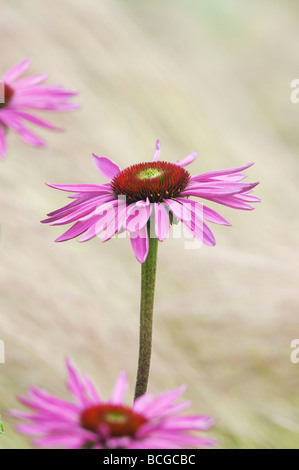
(154, 180)
(120, 420)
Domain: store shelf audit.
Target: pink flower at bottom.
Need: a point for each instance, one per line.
(20, 96)
(90, 422)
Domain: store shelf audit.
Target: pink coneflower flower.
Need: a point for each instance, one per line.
(160, 189)
(25, 94)
(89, 422)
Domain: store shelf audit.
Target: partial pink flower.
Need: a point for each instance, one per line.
(20, 96)
(152, 193)
(90, 422)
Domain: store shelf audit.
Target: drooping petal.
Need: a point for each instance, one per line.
(162, 221)
(107, 167)
(2, 142)
(77, 229)
(38, 121)
(204, 211)
(140, 244)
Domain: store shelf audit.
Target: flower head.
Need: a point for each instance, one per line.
(21, 95)
(153, 192)
(89, 422)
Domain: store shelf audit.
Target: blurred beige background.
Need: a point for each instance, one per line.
(205, 75)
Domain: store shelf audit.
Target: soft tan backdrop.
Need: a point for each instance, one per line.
(206, 75)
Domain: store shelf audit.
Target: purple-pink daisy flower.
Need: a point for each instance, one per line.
(155, 191)
(21, 95)
(89, 422)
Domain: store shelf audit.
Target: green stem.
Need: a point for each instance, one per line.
(148, 279)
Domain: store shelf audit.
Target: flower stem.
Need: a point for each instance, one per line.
(148, 279)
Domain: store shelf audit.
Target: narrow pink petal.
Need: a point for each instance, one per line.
(162, 402)
(16, 71)
(247, 197)
(154, 443)
(31, 138)
(140, 244)
(186, 423)
(232, 201)
(212, 174)
(36, 120)
(157, 151)
(162, 221)
(104, 209)
(220, 187)
(77, 229)
(75, 385)
(119, 389)
(65, 441)
(208, 236)
(214, 217)
(107, 167)
(142, 402)
(91, 390)
(101, 189)
(183, 439)
(78, 211)
(187, 160)
(2, 142)
(30, 81)
(12, 120)
(234, 177)
(91, 232)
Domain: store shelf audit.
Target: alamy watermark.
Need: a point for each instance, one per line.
(2, 352)
(295, 353)
(294, 96)
(142, 219)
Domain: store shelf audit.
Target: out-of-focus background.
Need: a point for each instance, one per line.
(204, 75)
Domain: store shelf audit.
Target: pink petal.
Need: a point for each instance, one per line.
(180, 211)
(137, 216)
(232, 201)
(16, 71)
(162, 221)
(157, 151)
(101, 189)
(2, 142)
(77, 229)
(75, 386)
(140, 244)
(116, 223)
(212, 174)
(30, 81)
(187, 160)
(119, 389)
(204, 211)
(35, 120)
(107, 167)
